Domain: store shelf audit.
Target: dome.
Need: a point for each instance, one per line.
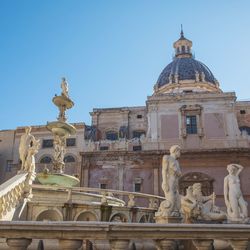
(186, 69)
(184, 73)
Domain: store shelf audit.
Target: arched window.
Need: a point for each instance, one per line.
(69, 158)
(111, 135)
(195, 177)
(46, 159)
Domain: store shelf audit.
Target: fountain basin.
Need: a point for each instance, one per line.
(57, 179)
(61, 128)
(63, 101)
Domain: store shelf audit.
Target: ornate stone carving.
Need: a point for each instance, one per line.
(197, 207)
(59, 152)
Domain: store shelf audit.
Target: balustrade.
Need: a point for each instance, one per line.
(71, 234)
(12, 192)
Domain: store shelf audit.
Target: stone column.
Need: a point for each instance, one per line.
(70, 244)
(18, 244)
(239, 244)
(119, 244)
(165, 244)
(203, 244)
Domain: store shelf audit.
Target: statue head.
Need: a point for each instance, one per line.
(175, 151)
(232, 169)
(27, 130)
(197, 189)
(189, 190)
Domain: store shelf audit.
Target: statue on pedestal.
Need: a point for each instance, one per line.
(236, 205)
(26, 142)
(171, 173)
(30, 162)
(65, 87)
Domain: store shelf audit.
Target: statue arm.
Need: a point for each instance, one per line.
(240, 168)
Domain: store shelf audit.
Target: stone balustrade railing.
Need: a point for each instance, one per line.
(153, 201)
(70, 235)
(12, 192)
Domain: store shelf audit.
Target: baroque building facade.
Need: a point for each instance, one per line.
(123, 147)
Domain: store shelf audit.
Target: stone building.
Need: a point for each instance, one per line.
(122, 149)
(9, 155)
(124, 146)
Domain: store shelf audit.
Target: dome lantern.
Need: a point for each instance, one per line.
(183, 46)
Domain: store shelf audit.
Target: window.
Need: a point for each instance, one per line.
(183, 48)
(139, 116)
(69, 158)
(245, 129)
(46, 160)
(137, 148)
(104, 148)
(191, 124)
(138, 134)
(191, 121)
(47, 143)
(103, 186)
(137, 187)
(111, 135)
(242, 112)
(137, 184)
(8, 165)
(70, 142)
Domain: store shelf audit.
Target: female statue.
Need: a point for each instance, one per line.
(236, 205)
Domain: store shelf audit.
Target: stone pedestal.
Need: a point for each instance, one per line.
(70, 244)
(119, 244)
(239, 244)
(203, 244)
(165, 244)
(18, 244)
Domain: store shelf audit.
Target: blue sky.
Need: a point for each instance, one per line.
(111, 52)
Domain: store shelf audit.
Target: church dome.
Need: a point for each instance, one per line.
(185, 73)
(186, 69)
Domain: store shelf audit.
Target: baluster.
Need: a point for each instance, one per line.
(104, 200)
(131, 201)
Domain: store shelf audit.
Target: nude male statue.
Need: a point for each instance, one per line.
(171, 173)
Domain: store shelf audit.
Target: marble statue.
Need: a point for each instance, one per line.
(197, 207)
(235, 203)
(189, 206)
(29, 164)
(65, 88)
(59, 152)
(171, 173)
(26, 142)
